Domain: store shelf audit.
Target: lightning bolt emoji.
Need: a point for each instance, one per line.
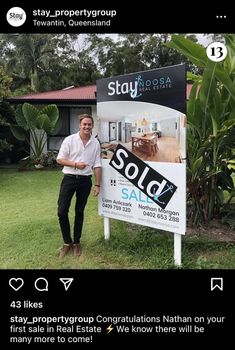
(109, 329)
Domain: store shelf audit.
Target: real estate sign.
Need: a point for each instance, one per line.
(142, 130)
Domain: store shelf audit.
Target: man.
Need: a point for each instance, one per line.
(80, 156)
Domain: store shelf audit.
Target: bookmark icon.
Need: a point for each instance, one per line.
(217, 282)
(66, 282)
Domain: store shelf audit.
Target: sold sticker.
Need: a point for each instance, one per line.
(146, 179)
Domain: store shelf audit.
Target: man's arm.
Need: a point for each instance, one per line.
(75, 165)
(65, 162)
(97, 172)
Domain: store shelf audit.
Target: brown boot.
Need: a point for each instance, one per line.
(76, 249)
(64, 250)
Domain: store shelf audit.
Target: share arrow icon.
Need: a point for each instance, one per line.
(66, 282)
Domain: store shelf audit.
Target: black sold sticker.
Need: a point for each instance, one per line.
(146, 179)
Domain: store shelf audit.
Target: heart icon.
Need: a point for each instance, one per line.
(16, 283)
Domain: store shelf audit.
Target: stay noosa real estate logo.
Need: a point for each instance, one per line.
(16, 16)
(138, 86)
(163, 86)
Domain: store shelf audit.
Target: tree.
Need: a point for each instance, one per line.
(211, 130)
(29, 57)
(5, 111)
(43, 62)
(157, 54)
(130, 53)
(35, 123)
(82, 71)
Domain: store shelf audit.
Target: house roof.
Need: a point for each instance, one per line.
(71, 94)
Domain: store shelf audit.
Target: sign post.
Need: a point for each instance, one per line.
(177, 249)
(106, 228)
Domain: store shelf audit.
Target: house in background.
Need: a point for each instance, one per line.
(71, 102)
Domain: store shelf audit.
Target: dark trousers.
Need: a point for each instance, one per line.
(69, 185)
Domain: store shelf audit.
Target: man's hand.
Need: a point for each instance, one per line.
(81, 165)
(96, 191)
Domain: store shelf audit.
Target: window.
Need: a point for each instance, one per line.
(63, 126)
(154, 126)
(63, 129)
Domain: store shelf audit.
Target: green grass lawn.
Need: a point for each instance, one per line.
(31, 238)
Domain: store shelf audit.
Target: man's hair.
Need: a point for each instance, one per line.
(83, 116)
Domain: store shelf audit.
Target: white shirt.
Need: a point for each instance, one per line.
(73, 149)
